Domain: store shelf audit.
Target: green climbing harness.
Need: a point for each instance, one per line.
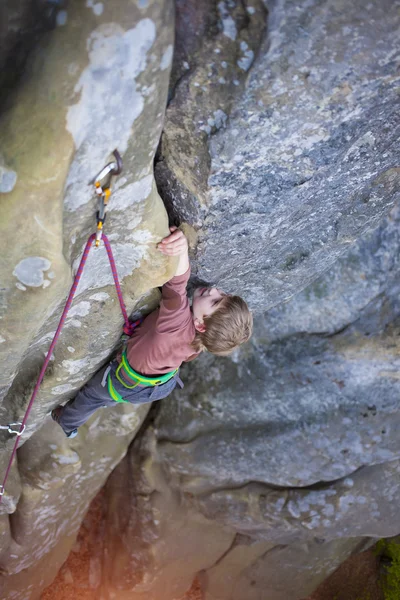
(135, 377)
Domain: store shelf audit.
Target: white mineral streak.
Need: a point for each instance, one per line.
(246, 60)
(100, 297)
(228, 24)
(166, 58)
(131, 194)
(97, 273)
(8, 179)
(82, 365)
(67, 459)
(62, 18)
(116, 58)
(97, 7)
(218, 120)
(62, 389)
(79, 310)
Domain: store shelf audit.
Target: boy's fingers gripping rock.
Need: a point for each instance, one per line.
(174, 248)
(173, 236)
(174, 245)
(176, 235)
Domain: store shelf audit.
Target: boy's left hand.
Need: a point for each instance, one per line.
(174, 244)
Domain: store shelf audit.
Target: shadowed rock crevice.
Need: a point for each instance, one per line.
(22, 25)
(216, 44)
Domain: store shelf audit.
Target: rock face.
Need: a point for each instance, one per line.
(307, 160)
(22, 24)
(98, 81)
(279, 148)
(290, 448)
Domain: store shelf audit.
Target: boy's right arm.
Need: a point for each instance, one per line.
(174, 307)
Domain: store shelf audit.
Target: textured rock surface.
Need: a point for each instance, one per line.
(296, 438)
(98, 81)
(307, 160)
(22, 23)
(271, 467)
(287, 455)
(59, 478)
(207, 79)
(318, 381)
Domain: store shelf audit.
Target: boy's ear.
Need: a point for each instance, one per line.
(199, 326)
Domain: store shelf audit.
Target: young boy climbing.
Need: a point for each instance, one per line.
(148, 368)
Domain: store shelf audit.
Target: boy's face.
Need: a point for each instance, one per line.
(206, 300)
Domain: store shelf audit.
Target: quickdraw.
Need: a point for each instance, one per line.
(103, 190)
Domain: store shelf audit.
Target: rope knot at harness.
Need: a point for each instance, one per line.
(104, 192)
(130, 327)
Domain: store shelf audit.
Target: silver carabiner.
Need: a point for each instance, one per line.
(12, 431)
(103, 191)
(112, 168)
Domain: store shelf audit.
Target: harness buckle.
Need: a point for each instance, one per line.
(102, 188)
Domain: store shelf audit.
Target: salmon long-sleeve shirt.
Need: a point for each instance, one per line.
(162, 341)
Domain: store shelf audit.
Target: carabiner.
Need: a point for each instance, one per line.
(13, 432)
(103, 190)
(111, 169)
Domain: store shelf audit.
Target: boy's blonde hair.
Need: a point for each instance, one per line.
(228, 327)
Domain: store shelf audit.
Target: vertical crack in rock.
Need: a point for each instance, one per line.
(269, 468)
(215, 46)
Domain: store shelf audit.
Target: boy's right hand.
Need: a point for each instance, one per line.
(176, 244)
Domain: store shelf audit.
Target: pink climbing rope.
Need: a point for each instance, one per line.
(128, 328)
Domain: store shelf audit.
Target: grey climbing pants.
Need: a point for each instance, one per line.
(95, 395)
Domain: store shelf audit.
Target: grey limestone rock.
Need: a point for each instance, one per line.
(280, 148)
(291, 444)
(97, 81)
(306, 160)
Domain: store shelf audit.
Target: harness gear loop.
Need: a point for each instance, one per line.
(103, 190)
(110, 169)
